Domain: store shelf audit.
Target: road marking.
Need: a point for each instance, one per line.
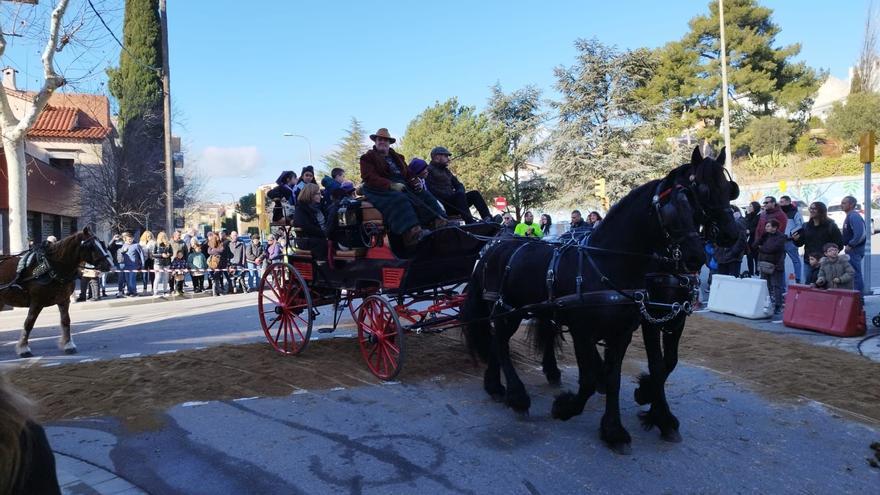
(133, 354)
(194, 403)
(390, 383)
(336, 389)
(776, 321)
(300, 391)
(90, 360)
(200, 348)
(167, 351)
(242, 399)
(49, 365)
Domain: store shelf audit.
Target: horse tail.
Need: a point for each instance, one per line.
(543, 335)
(475, 314)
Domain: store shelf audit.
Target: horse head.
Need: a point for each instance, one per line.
(713, 189)
(94, 252)
(679, 222)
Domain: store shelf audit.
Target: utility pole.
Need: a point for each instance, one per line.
(166, 92)
(728, 158)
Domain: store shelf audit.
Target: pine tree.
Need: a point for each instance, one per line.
(348, 152)
(602, 126)
(762, 75)
(477, 146)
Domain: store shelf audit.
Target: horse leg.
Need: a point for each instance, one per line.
(567, 405)
(22, 348)
(612, 431)
(547, 334)
(516, 398)
(652, 385)
(66, 342)
(492, 376)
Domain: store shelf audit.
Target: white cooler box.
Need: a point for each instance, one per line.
(745, 297)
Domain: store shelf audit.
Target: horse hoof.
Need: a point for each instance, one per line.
(26, 354)
(497, 397)
(554, 380)
(621, 448)
(70, 351)
(672, 436)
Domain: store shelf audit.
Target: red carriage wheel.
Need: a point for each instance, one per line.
(285, 309)
(381, 337)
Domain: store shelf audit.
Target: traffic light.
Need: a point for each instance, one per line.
(261, 201)
(599, 188)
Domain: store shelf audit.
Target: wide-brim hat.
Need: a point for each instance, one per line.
(383, 133)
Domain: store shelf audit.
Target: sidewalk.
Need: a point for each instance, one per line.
(867, 345)
(78, 477)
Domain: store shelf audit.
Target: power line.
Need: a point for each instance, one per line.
(146, 66)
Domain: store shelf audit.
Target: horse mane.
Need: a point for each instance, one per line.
(66, 248)
(648, 187)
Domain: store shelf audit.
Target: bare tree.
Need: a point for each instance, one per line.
(865, 76)
(14, 130)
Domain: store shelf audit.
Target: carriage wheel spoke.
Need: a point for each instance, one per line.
(269, 327)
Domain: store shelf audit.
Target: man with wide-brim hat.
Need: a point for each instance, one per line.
(386, 178)
(446, 187)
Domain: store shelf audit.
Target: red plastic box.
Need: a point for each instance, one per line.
(835, 312)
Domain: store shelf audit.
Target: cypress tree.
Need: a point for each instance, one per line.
(137, 86)
(136, 83)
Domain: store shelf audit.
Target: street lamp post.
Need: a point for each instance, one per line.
(290, 134)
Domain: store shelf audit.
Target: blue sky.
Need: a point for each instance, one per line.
(244, 73)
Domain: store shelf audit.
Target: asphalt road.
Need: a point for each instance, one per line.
(438, 436)
(447, 437)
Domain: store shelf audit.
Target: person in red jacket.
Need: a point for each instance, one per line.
(388, 186)
(771, 210)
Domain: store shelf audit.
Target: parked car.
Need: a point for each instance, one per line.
(836, 213)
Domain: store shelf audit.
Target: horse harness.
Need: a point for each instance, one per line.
(43, 270)
(614, 295)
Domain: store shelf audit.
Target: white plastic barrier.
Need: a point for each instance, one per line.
(744, 297)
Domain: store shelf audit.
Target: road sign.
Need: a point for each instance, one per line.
(500, 202)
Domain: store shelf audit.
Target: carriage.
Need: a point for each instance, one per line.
(388, 290)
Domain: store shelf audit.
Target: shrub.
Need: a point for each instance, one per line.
(807, 146)
(766, 135)
(860, 114)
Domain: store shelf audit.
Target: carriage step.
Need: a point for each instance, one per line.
(326, 330)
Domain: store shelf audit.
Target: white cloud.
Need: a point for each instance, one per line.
(230, 162)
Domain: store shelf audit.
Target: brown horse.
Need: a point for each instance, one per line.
(53, 284)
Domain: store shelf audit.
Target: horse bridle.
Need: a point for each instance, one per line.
(92, 242)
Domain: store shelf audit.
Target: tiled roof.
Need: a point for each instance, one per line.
(66, 122)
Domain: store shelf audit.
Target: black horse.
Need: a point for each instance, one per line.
(597, 291)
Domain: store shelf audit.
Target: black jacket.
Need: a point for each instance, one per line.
(734, 254)
(442, 182)
(813, 237)
(37, 473)
(771, 248)
(310, 233)
(160, 260)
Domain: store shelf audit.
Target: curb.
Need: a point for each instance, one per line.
(77, 477)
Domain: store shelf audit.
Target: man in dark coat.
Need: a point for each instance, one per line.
(386, 178)
(446, 187)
